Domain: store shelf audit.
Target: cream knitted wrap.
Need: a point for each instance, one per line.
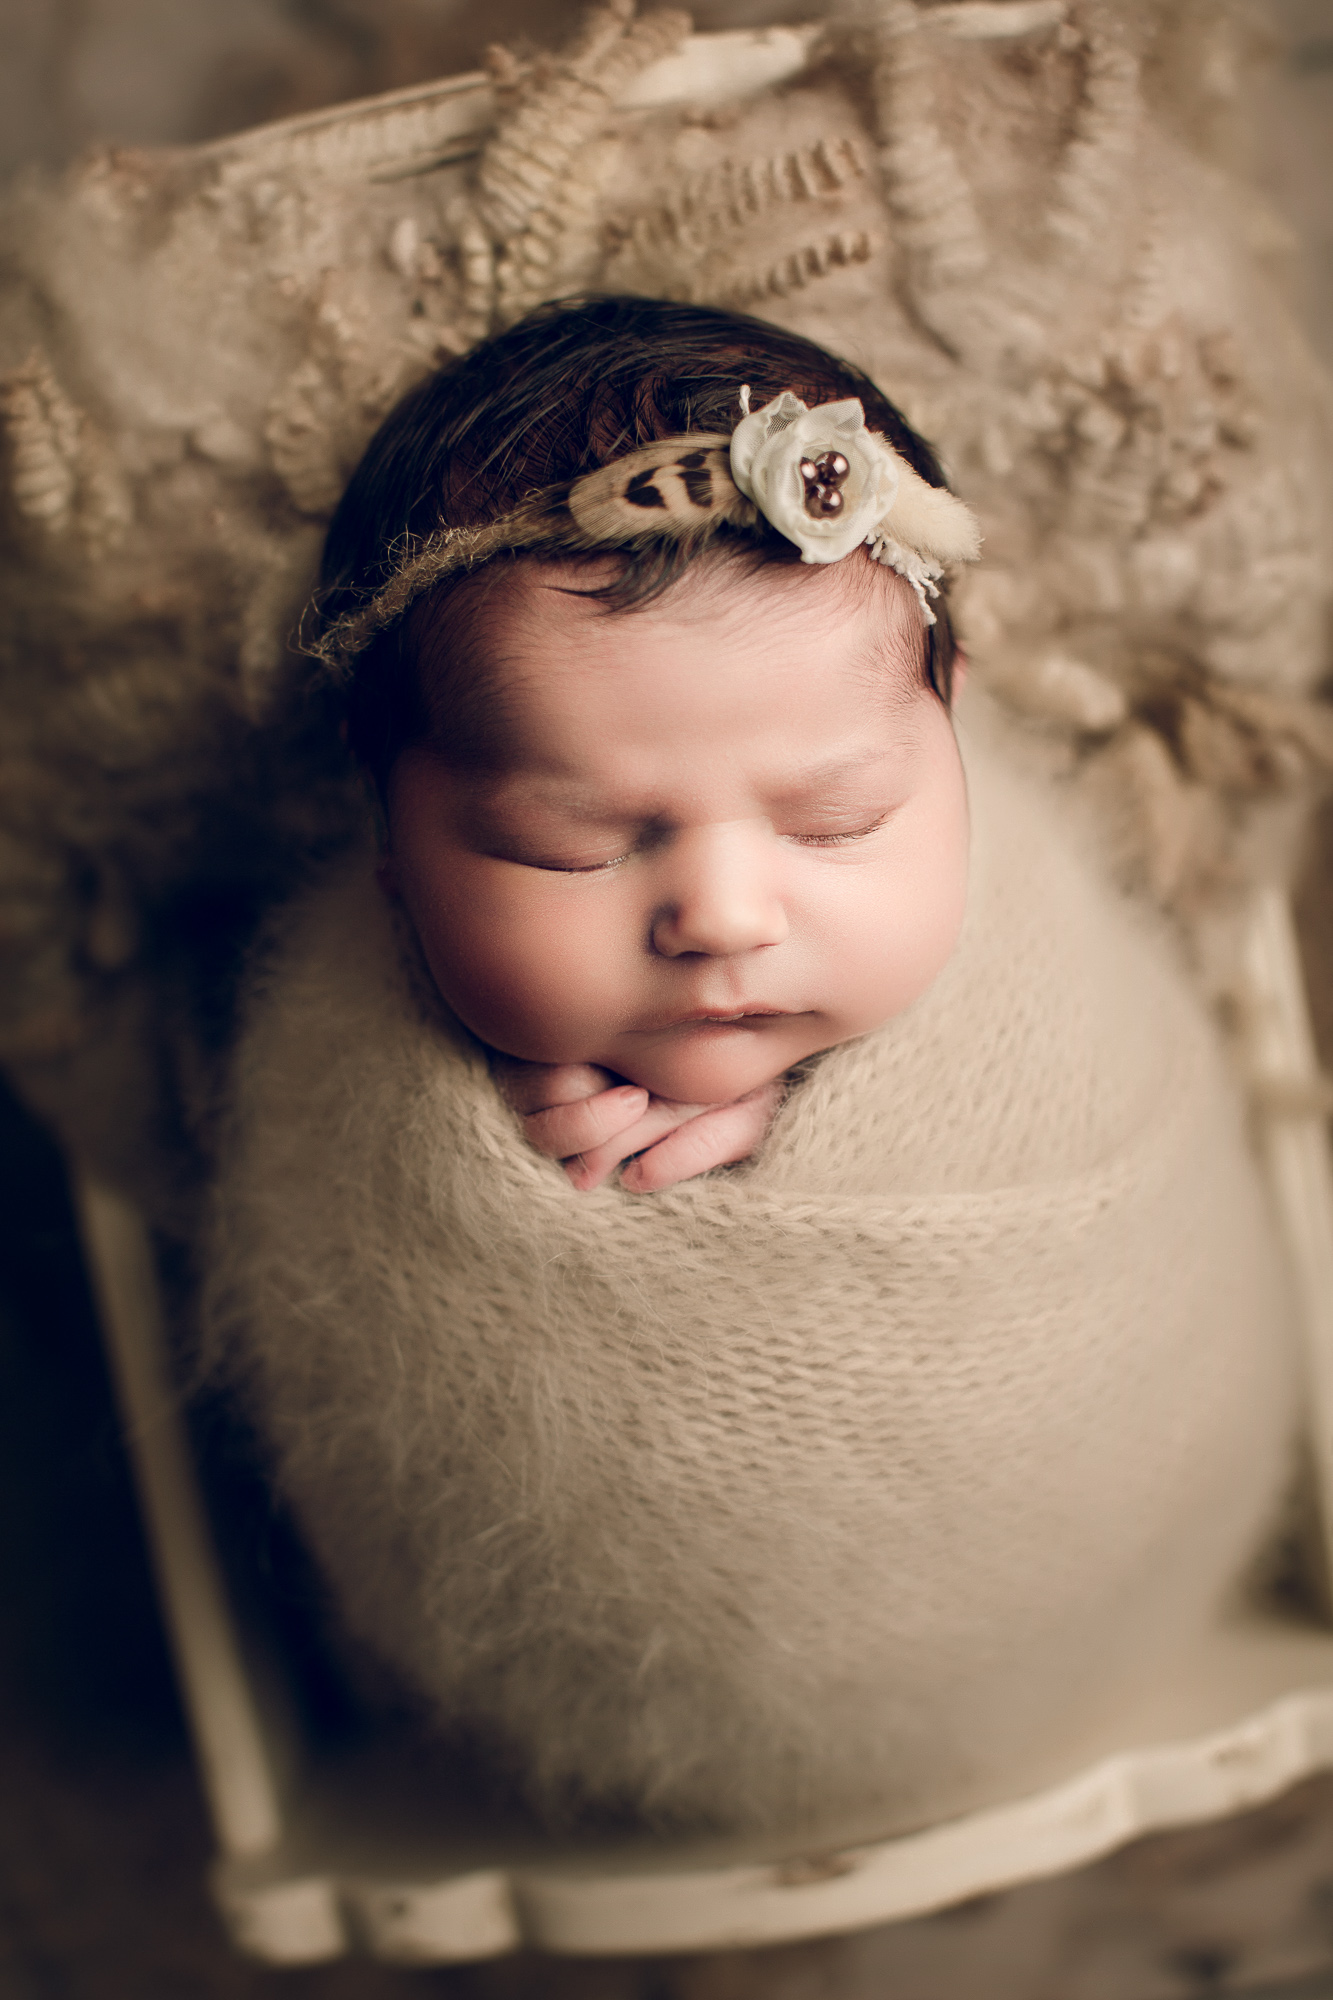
(866, 1479)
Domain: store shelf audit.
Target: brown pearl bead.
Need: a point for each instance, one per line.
(823, 478)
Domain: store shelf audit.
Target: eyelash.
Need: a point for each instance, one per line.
(837, 839)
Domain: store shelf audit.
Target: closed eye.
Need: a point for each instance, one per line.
(842, 837)
(584, 867)
(566, 867)
(650, 835)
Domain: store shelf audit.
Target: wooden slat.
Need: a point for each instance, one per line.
(1293, 1131)
(234, 1757)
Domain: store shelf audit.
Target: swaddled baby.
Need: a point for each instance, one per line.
(742, 1247)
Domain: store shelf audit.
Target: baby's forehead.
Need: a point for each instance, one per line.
(753, 693)
(519, 658)
(522, 614)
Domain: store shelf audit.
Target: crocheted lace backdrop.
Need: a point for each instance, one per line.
(1015, 213)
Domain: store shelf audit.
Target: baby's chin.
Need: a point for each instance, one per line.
(715, 1064)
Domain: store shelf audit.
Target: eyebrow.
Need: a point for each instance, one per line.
(549, 794)
(826, 776)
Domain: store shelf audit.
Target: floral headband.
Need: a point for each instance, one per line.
(820, 477)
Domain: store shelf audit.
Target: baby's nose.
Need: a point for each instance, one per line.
(723, 893)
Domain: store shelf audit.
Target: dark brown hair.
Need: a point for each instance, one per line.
(571, 387)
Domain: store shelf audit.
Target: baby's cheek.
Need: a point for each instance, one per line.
(939, 921)
(901, 930)
(527, 973)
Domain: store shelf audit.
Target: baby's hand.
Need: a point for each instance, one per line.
(590, 1120)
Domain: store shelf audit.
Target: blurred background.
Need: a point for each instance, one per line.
(103, 1845)
(75, 73)
(165, 72)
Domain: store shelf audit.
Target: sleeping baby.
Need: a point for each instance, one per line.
(740, 1242)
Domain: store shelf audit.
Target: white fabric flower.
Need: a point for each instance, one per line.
(768, 449)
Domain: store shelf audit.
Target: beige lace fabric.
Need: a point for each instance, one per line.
(859, 1484)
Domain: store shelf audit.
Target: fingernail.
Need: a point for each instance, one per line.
(625, 1091)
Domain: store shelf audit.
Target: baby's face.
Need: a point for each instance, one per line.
(727, 830)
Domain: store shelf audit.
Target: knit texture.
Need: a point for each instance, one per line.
(863, 1480)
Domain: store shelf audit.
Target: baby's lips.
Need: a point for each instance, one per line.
(699, 1016)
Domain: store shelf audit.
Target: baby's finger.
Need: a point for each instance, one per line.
(713, 1139)
(590, 1168)
(530, 1087)
(563, 1129)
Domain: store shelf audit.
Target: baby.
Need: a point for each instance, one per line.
(876, 1476)
(663, 833)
